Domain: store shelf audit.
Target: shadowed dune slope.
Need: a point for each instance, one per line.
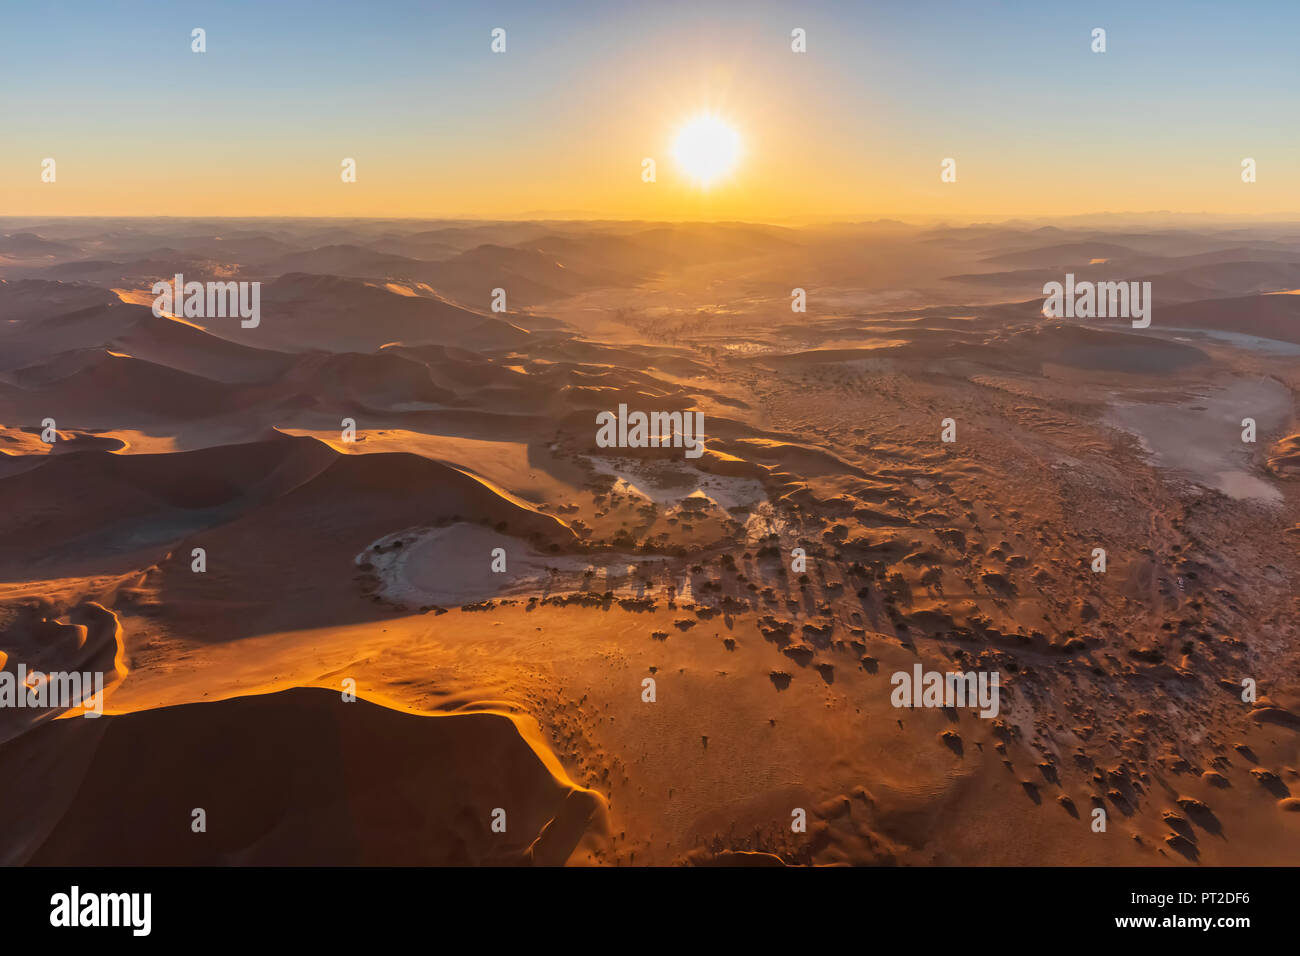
(299, 777)
(1266, 316)
(99, 512)
(25, 299)
(309, 312)
(102, 389)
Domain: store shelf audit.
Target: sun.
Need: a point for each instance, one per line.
(706, 149)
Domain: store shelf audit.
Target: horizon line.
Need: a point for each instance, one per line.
(541, 216)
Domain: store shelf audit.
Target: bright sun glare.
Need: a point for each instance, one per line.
(706, 149)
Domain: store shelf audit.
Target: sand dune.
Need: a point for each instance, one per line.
(69, 324)
(118, 507)
(101, 388)
(188, 348)
(1284, 459)
(384, 379)
(1267, 316)
(87, 641)
(365, 784)
(207, 535)
(319, 311)
(24, 299)
(28, 245)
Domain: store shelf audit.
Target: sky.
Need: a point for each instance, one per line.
(559, 124)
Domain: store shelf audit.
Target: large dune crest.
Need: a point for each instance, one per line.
(294, 778)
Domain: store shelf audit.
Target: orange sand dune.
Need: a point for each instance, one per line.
(88, 642)
(110, 510)
(1284, 459)
(298, 777)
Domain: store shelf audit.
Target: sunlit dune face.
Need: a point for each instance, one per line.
(706, 149)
